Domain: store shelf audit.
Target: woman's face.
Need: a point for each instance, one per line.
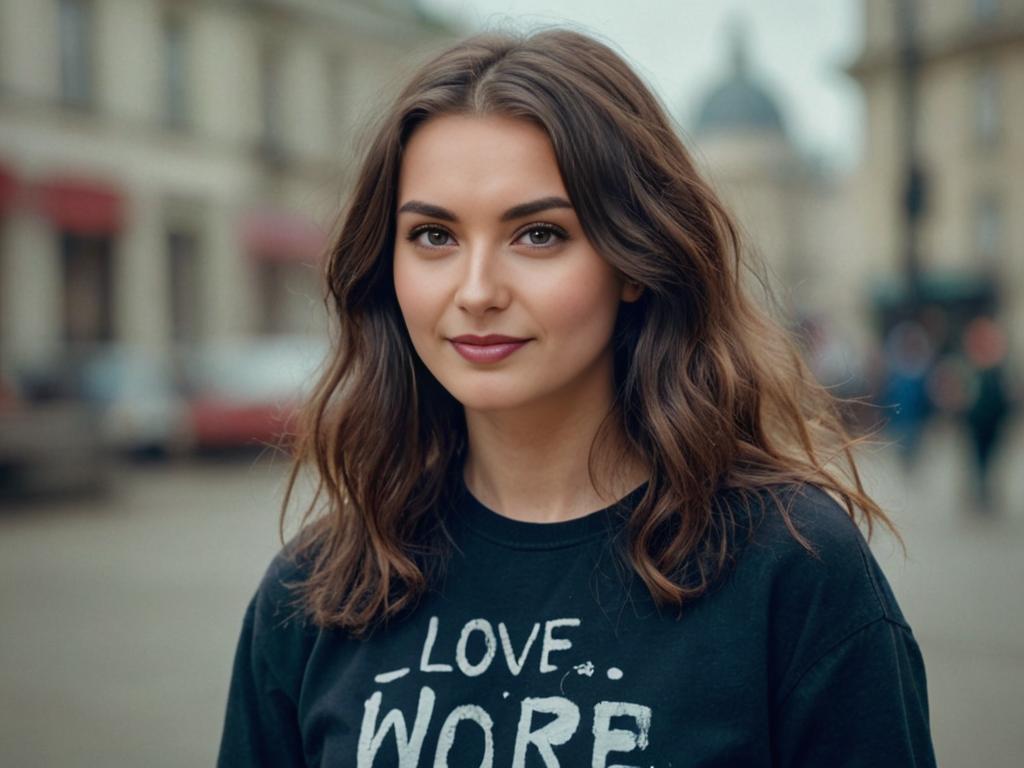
(487, 243)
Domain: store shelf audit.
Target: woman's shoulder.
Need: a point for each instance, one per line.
(276, 607)
(812, 599)
(832, 564)
(817, 511)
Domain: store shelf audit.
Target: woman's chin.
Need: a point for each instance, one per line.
(490, 399)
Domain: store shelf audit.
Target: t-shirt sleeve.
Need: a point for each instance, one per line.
(863, 703)
(849, 678)
(261, 724)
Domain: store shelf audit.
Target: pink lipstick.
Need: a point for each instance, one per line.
(486, 349)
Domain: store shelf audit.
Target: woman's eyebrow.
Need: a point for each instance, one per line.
(515, 212)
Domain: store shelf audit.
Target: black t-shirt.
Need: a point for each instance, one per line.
(540, 648)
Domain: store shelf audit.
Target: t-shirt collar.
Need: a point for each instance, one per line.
(520, 534)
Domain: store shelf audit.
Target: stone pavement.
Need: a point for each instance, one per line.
(961, 588)
(120, 615)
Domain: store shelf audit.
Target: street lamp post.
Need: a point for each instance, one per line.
(914, 199)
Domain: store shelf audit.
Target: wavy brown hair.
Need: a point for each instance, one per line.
(710, 391)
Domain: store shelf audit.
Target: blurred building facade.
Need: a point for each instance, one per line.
(793, 210)
(969, 82)
(741, 135)
(169, 169)
(836, 244)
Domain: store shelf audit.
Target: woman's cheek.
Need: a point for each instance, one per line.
(582, 306)
(411, 300)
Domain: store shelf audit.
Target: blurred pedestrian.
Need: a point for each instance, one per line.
(908, 358)
(988, 401)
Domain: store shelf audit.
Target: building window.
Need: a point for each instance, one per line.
(337, 67)
(288, 296)
(76, 60)
(270, 101)
(3, 309)
(988, 228)
(88, 289)
(183, 253)
(987, 106)
(176, 113)
(271, 277)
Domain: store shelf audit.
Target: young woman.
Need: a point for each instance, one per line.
(578, 499)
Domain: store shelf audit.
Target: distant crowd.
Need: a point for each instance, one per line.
(923, 370)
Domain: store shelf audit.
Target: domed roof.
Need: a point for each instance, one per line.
(739, 102)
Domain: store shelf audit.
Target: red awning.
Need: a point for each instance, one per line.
(81, 206)
(282, 236)
(8, 188)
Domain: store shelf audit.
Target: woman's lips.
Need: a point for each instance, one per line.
(487, 353)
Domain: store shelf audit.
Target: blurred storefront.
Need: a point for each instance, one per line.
(169, 170)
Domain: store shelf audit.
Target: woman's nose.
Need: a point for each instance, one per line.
(481, 284)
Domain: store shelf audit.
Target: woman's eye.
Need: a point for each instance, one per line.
(535, 237)
(431, 236)
(542, 236)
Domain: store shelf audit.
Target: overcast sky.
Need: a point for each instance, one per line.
(798, 48)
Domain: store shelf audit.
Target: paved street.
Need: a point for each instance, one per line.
(961, 589)
(120, 616)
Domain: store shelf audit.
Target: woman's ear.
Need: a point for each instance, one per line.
(631, 291)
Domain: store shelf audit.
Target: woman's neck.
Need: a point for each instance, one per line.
(535, 469)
